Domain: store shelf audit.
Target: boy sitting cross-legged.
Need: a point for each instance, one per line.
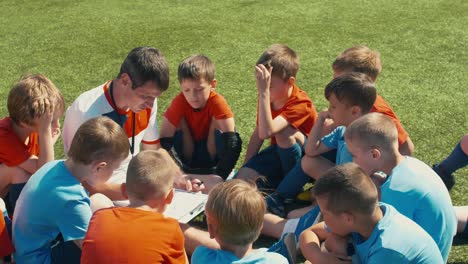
(149, 236)
(198, 127)
(285, 114)
(348, 200)
(53, 210)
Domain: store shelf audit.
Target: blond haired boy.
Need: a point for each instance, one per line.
(411, 186)
(234, 213)
(149, 236)
(285, 114)
(53, 210)
(349, 203)
(28, 133)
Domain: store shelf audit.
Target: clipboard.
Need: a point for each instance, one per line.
(186, 205)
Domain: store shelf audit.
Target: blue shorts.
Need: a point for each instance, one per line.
(274, 163)
(200, 156)
(64, 251)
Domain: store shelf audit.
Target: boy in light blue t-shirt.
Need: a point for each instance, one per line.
(411, 186)
(53, 210)
(380, 234)
(234, 213)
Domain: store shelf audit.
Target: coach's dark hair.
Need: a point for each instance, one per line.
(144, 64)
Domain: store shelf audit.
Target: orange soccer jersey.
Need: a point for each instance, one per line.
(13, 151)
(198, 121)
(380, 106)
(6, 247)
(130, 235)
(298, 111)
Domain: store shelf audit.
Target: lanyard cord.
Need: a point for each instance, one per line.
(111, 93)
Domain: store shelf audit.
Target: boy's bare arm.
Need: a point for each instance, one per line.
(167, 129)
(267, 126)
(314, 146)
(406, 148)
(226, 125)
(47, 139)
(309, 242)
(112, 190)
(254, 145)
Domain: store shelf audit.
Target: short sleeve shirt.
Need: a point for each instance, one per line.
(418, 193)
(299, 111)
(336, 140)
(396, 239)
(52, 202)
(13, 151)
(198, 120)
(204, 255)
(130, 235)
(380, 106)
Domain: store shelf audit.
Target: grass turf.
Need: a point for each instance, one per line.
(80, 44)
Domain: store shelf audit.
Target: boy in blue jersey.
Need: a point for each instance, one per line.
(234, 213)
(349, 203)
(53, 210)
(350, 96)
(411, 186)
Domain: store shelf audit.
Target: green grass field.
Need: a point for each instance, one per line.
(80, 44)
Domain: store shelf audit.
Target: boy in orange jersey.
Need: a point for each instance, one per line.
(28, 134)
(143, 234)
(198, 128)
(285, 115)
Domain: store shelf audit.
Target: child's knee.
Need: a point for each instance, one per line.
(289, 136)
(12, 175)
(247, 174)
(464, 144)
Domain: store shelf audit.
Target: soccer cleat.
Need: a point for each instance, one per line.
(447, 178)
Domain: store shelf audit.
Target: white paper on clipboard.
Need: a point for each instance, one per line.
(186, 205)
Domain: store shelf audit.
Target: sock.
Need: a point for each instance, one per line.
(456, 160)
(293, 182)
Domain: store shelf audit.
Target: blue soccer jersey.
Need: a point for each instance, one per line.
(396, 239)
(416, 191)
(52, 202)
